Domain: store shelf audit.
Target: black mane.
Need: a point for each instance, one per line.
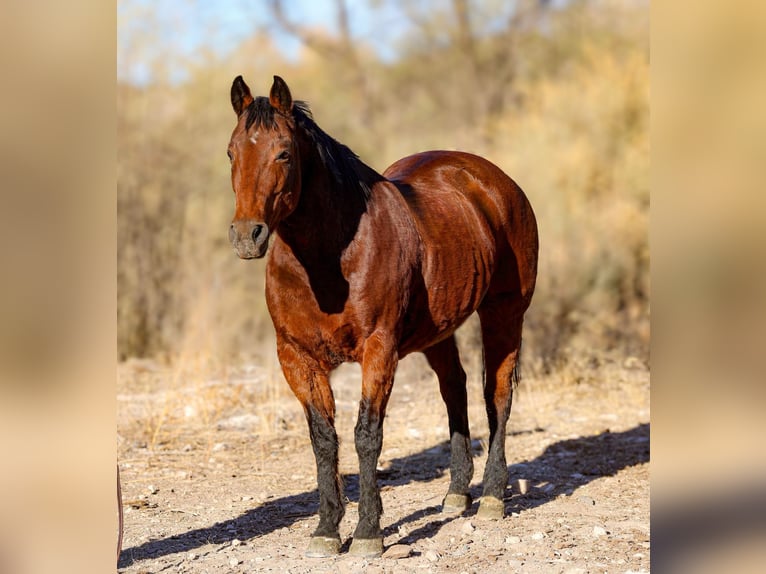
(344, 165)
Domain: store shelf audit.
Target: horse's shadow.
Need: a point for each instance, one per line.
(564, 466)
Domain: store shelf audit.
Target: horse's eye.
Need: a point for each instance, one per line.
(284, 155)
(231, 157)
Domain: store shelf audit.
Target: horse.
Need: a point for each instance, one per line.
(367, 267)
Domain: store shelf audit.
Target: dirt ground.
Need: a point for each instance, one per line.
(218, 474)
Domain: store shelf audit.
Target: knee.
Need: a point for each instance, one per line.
(321, 430)
(368, 434)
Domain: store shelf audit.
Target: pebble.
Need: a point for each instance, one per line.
(192, 556)
(397, 551)
(432, 556)
(467, 527)
(513, 540)
(152, 489)
(587, 500)
(599, 531)
(538, 536)
(462, 551)
(219, 446)
(234, 561)
(236, 542)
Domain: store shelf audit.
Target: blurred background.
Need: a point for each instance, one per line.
(553, 91)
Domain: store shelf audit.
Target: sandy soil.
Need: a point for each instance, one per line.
(218, 475)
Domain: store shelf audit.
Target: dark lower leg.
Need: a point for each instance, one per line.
(445, 361)
(496, 471)
(502, 342)
(324, 441)
(461, 463)
(368, 435)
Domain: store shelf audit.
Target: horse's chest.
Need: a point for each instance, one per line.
(323, 326)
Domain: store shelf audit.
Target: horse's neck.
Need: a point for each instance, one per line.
(327, 216)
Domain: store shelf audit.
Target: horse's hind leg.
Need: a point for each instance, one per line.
(445, 361)
(501, 322)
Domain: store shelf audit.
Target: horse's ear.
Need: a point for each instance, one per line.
(280, 97)
(240, 95)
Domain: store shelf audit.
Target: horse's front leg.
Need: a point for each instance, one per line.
(311, 386)
(378, 366)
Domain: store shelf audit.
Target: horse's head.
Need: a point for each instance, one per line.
(264, 166)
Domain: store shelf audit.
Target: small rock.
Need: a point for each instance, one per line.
(599, 531)
(467, 527)
(246, 498)
(192, 556)
(523, 485)
(513, 540)
(234, 561)
(187, 448)
(587, 500)
(462, 551)
(432, 556)
(538, 536)
(152, 489)
(219, 446)
(403, 531)
(236, 542)
(397, 551)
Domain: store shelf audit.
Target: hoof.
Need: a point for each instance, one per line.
(490, 508)
(366, 547)
(456, 503)
(323, 547)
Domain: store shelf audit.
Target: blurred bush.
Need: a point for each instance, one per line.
(556, 94)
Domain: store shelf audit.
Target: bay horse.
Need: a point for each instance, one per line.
(368, 268)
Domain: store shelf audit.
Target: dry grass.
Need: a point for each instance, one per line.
(196, 404)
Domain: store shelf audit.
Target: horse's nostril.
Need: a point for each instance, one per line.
(232, 234)
(257, 231)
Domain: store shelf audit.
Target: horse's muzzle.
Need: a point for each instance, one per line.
(249, 238)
